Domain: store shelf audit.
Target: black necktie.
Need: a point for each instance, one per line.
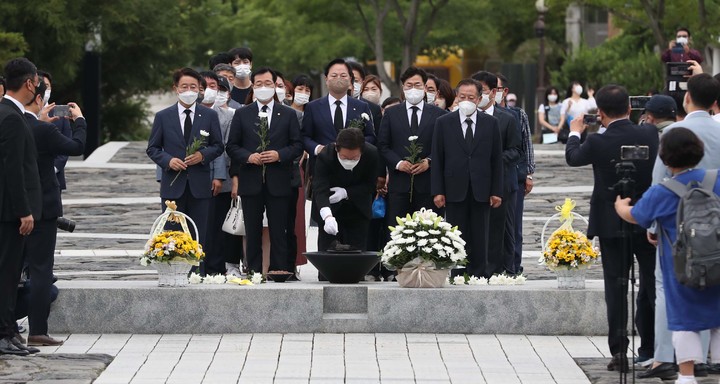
(468, 131)
(339, 125)
(414, 120)
(264, 108)
(187, 127)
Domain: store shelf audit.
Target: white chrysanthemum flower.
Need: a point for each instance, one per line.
(458, 280)
(409, 231)
(195, 278)
(445, 240)
(445, 225)
(256, 278)
(410, 248)
(204, 133)
(427, 249)
(365, 116)
(410, 223)
(434, 232)
(520, 280)
(437, 246)
(412, 138)
(262, 115)
(422, 234)
(422, 242)
(474, 280)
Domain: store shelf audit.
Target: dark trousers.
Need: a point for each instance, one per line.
(291, 236)
(473, 220)
(214, 247)
(496, 244)
(509, 237)
(196, 208)
(399, 205)
(40, 257)
(519, 208)
(353, 230)
(276, 207)
(616, 271)
(11, 255)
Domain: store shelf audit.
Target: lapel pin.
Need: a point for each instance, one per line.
(354, 109)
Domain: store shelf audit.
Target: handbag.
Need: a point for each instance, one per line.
(378, 207)
(234, 223)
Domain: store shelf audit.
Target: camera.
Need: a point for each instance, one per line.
(634, 152)
(678, 69)
(66, 224)
(61, 111)
(591, 119)
(638, 102)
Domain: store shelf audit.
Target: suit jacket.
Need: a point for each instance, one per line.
(20, 192)
(51, 143)
(603, 152)
(359, 183)
(167, 141)
(65, 128)
(512, 147)
(455, 165)
(376, 114)
(284, 136)
(393, 143)
(708, 130)
(318, 127)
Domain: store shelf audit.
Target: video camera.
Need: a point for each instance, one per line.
(625, 169)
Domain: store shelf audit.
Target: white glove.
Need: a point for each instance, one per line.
(338, 195)
(331, 226)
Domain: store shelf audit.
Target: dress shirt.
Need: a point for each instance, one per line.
(409, 115)
(17, 103)
(270, 106)
(343, 107)
(181, 113)
(490, 110)
(463, 124)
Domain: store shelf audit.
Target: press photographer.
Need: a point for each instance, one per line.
(603, 151)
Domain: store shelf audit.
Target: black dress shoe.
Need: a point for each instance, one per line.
(714, 369)
(664, 371)
(701, 370)
(619, 362)
(19, 344)
(8, 348)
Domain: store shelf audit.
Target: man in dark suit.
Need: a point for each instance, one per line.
(20, 192)
(501, 249)
(186, 177)
(603, 152)
(467, 172)
(264, 173)
(40, 249)
(413, 117)
(343, 189)
(62, 124)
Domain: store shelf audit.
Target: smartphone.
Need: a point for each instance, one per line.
(591, 119)
(638, 102)
(634, 152)
(61, 111)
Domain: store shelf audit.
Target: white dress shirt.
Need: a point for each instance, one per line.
(490, 111)
(464, 125)
(409, 115)
(181, 113)
(270, 106)
(343, 108)
(17, 103)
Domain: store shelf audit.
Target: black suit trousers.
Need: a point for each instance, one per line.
(509, 237)
(616, 272)
(352, 230)
(276, 207)
(496, 245)
(290, 234)
(473, 220)
(40, 257)
(11, 256)
(220, 247)
(399, 205)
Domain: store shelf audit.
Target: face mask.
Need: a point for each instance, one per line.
(681, 40)
(467, 108)
(455, 108)
(414, 96)
(301, 98)
(280, 92)
(188, 97)
(484, 101)
(210, 96)
(440, 103)
(372, 96)
(356, 90)
(264, 93)
(339, 85)
(243, 71)
(511, 103)
(348, 164)
(578, 89)
(221, 98)
(431, 97)
(46, 97)
(552, 98)
(498, 97)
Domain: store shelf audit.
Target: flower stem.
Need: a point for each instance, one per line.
(412, 182)
(176, 176)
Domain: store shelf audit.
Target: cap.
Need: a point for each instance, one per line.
(223, 83)
(661, 106)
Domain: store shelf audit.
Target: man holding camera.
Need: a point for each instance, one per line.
(603, 151)
(679, 50)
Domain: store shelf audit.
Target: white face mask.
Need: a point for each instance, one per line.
(499, 97)
(188, 97)
(414, 96)
(552, 98)
(578, 89)
(467, 108)
(431, 97)
(280, 92)
(243, 70)
(356, 89)
(484, 101)
(440, 103)
(348, 164)
(46, 97)
(455, 108)
(301, 98)
(210, 96)
(264, 93)
(372, 96)
(221, 98)
(681, 40)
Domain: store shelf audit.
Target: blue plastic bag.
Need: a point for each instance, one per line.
(378, 207)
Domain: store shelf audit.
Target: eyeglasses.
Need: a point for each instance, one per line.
(409, 86)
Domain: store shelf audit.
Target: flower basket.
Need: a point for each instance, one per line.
(172, 253)
(567, 252)
(423, 248)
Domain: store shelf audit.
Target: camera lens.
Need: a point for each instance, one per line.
(66, 225)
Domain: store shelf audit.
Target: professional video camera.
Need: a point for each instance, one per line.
(625, 169)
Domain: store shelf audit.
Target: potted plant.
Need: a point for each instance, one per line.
(423, 248)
